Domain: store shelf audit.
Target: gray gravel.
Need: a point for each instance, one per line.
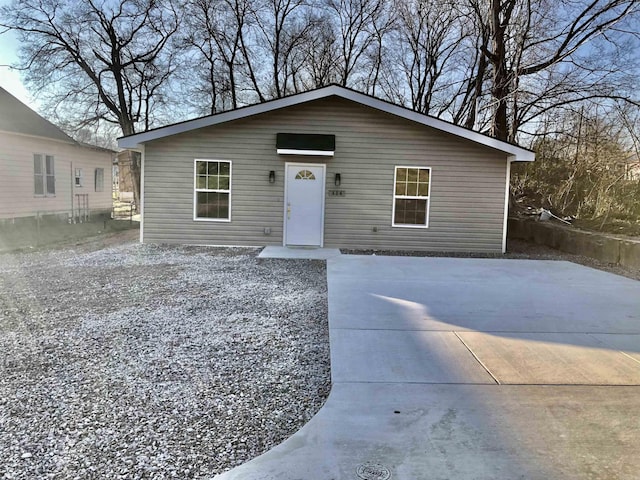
(142, 361)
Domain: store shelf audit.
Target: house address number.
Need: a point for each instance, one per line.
(337, 193)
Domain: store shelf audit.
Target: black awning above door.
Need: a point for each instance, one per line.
(305, 144)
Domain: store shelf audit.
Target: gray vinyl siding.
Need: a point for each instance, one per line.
(467, 181)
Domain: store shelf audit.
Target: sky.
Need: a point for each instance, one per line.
(10, 79)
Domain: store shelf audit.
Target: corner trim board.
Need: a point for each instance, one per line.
(142, 160)
(506, 208)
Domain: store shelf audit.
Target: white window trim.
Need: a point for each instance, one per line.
(196, 190)
(393, 205)
(95, 180)
(44, 175)
(76, 177)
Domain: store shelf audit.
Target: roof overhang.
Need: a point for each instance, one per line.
(514, 152)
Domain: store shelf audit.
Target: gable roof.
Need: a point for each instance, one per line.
(16, 117)
(515, 152)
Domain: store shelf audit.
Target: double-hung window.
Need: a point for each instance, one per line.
(412, 186)
(44, 176)
(78, 177)
(212, 190)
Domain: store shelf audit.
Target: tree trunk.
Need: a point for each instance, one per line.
(135, 160)
(500, 89)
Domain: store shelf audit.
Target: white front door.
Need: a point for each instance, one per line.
(304, 204)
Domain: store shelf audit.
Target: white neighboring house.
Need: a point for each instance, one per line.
(45, 172)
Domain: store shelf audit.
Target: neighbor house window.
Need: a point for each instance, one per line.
(78, 177)
(411, 197)
(44, 177)
(99, 179)
(212, 196)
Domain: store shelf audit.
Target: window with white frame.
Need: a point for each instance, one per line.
(44, 176)
(99, 179)
(412, 186)
(78, 177)
(212, 192)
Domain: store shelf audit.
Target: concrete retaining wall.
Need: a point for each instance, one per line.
(606, 248)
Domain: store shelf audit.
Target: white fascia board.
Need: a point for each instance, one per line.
(128, 144)
(519, 154)
(290, 151)
(139, 147)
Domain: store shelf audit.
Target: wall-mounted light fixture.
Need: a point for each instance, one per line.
(337, 180)
(272, 176)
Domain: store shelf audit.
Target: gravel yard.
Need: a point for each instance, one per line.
(142, 361)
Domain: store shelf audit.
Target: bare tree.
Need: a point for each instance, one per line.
(284, 26)
(580, 169)
(630, 120)
(98, 60)
(468, 98)
(429, 34)
(356, 23)
(217, 30)
(478, 63)
(377, 57)
(531, 37)
(320, 64)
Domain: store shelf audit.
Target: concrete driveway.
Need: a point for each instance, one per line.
(447, 368)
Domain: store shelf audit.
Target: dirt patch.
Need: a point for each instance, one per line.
(26, 235)
(616, 226)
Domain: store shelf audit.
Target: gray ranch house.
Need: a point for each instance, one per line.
(328, 168)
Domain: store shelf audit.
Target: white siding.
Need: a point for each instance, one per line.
(467, 186)
(17, 197)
